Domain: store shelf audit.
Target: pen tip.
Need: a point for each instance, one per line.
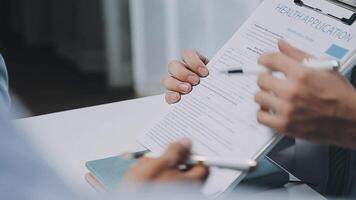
(252, 163)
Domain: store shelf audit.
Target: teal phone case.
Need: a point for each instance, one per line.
(110, 171)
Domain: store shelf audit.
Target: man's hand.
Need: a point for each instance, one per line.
(185, 74)
(165, 169)
(311, 104)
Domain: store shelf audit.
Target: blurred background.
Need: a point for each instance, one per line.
(66, 54)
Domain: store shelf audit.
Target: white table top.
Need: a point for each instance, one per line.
(67, 140)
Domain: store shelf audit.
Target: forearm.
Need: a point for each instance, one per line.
(346, 135)
(348, 110)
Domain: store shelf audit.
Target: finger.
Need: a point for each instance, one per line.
(292, 52)
(173, 84)
(195, 63)
(172, 97)
(265, 108)
(203, 58)
(145, 169)
(268, 101)
(280, 62)
(272, 121)
(176, 154)
(179, 71)
(198, 173)
(270, 83)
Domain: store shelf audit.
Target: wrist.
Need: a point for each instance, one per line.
(345, 121)
(348, 104)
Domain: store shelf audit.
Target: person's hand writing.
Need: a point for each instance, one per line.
(165, 169)
(310, 104)
(185, 74)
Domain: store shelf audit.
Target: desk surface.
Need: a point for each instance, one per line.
(67, 140)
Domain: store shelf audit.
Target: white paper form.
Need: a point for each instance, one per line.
(220, 114)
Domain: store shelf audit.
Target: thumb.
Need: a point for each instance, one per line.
(177, 153)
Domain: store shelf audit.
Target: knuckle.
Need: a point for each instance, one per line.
(262, 79)
(169, 82)
(192, 59)
(168, 100)
(172, 63)
(294, 93)
(260, 117)
(258, 96)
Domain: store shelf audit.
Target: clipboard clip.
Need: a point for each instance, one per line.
(347, 21)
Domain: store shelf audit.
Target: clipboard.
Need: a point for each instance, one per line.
(342, 3)
(350, 21)
(345, 4)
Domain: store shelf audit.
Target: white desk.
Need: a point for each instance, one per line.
(69, 139)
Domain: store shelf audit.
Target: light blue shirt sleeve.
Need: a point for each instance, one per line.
(5, 101)
(23, 174)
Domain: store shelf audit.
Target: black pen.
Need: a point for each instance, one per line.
(249, 70)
